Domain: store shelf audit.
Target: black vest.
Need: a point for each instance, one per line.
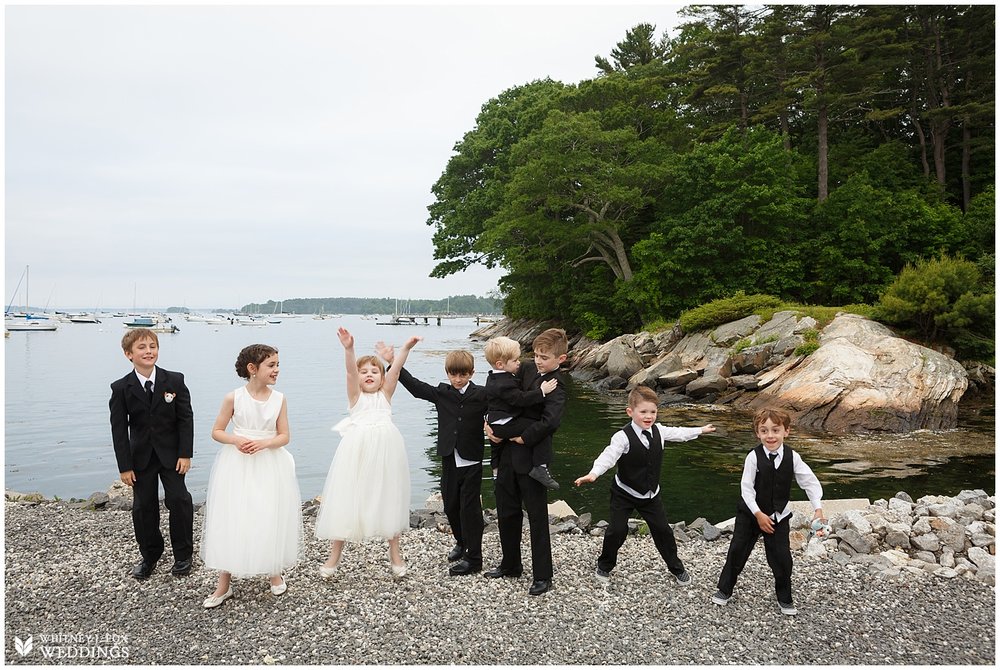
(639, 468)
(772, 486)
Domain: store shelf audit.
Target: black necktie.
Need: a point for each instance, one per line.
(149, 391)
(649, 438)
(773, 457)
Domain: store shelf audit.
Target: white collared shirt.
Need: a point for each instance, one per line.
(804, 477)
(619, 446)
(143, 380)
(459, 461)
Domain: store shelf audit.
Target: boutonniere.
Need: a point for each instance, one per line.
(168, 397)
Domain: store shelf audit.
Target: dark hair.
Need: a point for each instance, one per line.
(775, 415)
(133, 335)
(642, 394)
(256, 354)
(551, 341)
(459, 362)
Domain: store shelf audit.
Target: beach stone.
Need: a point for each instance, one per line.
(896, 557)
(904, 496)
(922, 526)
(743, 382)
(946, 573)
(925, 557)
(753, 359)
(950, 533)
(623, 359)
(982, 540)
(975, 495)
(697, 523)
(926, 542)
(840, 558)
(710, 383)
(583, 521)
(560, 509)
(947, 509)
(856, 521)
(710, 532)
(796, 540)
(98, 500)
(982, 559)
(858, 542)
(974, 510)
(611, 383)
(900, 506)
(895, 538)
(597, 532)
(947, 558)
(814, 549)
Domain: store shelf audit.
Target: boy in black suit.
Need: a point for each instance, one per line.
(152, 428)
(507, 400)
(637, 450)
(512, 461)
(461, 406)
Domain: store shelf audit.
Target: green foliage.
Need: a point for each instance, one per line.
(941, 297)
(752, 342)
(724, 310)
(806, 348)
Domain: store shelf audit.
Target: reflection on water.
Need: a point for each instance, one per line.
(57, 439)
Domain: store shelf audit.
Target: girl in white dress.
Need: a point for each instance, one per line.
(367, 491)
(253, 514)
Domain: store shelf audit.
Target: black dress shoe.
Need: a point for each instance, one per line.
(181, 568)
(144, 569)
(464, 567)
(456, 553)
(539, 586)
(503, 572)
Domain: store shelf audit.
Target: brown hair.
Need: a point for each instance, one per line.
(551, 341)
(501, 349)
(642, 394)
(372, 359)
(134, 335)
(459, 362)
(775, 415)
(256, 354)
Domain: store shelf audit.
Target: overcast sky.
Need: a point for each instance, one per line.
(216, 156)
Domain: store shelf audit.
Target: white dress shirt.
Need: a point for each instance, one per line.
(459, 461)
(143, 380)
(804, 477)
(619, 446)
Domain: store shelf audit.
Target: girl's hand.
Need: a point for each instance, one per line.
(410, 343)
(346, 338)
(248, 446)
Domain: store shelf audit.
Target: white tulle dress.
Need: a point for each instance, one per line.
(367, 490)
(253, 513)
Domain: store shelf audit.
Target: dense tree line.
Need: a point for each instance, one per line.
(806, 152)
(456, 304)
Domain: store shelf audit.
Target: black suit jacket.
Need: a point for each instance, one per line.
(460, 415)
(506, 399)
(140, 429)
(546, 416)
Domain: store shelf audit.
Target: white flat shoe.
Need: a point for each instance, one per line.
(398, 571)
(215, 601)
(280, 588)
(326, 572)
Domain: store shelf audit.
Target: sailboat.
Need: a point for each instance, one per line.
(26, 322)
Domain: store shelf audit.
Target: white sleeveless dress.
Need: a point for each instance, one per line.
(367, 490)
(253, 513)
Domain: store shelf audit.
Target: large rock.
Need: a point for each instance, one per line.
(862, 378)
(703, 386)
(729, 334)
(623, 359)
(650, 376)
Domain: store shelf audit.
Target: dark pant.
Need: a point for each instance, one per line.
(779, 555)
(460, 489)
(513, 490)
(651, 510)
(146, 512)
(540, 455)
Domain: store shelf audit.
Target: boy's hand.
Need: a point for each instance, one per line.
(385, 351)
(707, 428)
(818, 514)
(548, 386)
(346, 338)
(183, 465)
(765, 523)
(128, 477)
(517, 440)
(492, 438)
(586, 479)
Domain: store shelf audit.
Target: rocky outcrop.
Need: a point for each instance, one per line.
(860, 378)
(863, 378)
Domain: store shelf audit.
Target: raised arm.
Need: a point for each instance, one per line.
(392, 374)
(351, 362)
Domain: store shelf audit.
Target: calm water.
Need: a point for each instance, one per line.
(58, 439)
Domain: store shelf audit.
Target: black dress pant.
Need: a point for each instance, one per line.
(541, 454)
(146, 512)
(513, 490)
(460, 490)
(779, 555)
(652, 512)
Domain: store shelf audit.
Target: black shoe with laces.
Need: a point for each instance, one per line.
(541, 474)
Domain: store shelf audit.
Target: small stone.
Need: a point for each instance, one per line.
(926, 542)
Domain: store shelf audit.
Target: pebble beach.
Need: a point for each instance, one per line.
(68, 587)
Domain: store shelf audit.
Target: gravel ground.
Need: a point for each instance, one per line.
(68, 573)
